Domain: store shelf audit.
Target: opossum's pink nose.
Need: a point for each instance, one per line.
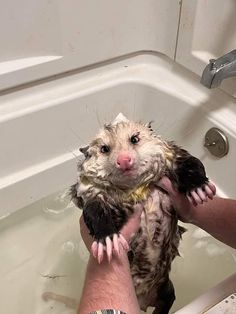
(124, 161)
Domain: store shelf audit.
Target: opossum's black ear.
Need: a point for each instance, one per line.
(149, 125)
(84, 150)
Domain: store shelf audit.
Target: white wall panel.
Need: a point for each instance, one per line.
(46, 37)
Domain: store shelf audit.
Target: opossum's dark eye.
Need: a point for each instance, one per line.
(105, 149)
(134, 139)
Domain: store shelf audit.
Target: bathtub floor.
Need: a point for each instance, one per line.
(43, 260)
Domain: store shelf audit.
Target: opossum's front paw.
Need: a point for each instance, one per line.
(109, 246)
(201, 194)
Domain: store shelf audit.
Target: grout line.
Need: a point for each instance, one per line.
(177, 34)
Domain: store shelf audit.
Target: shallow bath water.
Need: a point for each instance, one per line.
(43, 260)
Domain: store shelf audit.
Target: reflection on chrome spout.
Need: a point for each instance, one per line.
(218, 70)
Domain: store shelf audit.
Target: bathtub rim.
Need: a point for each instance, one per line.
(139, 69)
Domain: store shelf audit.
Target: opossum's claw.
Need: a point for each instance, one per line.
(201, 194)
(100, 252)
(116, 244)
(123, 242)
(109, 248)
(97, 250)
(119, 242)
(195, 197)
(210, 189)
(94, 249)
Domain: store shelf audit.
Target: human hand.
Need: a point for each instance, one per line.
(186, 205)
(133, 224)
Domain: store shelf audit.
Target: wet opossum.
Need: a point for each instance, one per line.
(122, 167)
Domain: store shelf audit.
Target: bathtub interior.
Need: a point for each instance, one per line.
(47, 121)
(42, 256)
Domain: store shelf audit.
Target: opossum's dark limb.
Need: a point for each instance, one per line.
(161, 296)
(98, 218)
(191, 174)
(165, 299)
(104, 222)
(187, 171)
(103, 219)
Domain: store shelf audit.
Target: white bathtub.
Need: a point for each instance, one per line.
(41, 127)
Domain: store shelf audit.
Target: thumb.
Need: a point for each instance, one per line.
(166, 185)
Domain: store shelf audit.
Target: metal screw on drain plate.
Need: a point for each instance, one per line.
(216, 142)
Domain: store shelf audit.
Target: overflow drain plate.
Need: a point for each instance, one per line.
(216, 142)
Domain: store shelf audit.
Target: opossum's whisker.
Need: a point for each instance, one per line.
(178, 122)
(77, 136)
(98, 119)
(76, 157)
(169, 127)
(159, 125)
(73, 154)
(134, 111)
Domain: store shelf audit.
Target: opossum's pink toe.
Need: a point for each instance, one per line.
(109, 248)
(212, 187)
(195, 197)
(123, 242)
(202, 194)
(94, 249)
(100, 252)
(116, 244)
(209, 192)
(191, 200)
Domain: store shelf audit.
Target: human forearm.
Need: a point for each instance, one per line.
(109, 286)
(217, 217)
